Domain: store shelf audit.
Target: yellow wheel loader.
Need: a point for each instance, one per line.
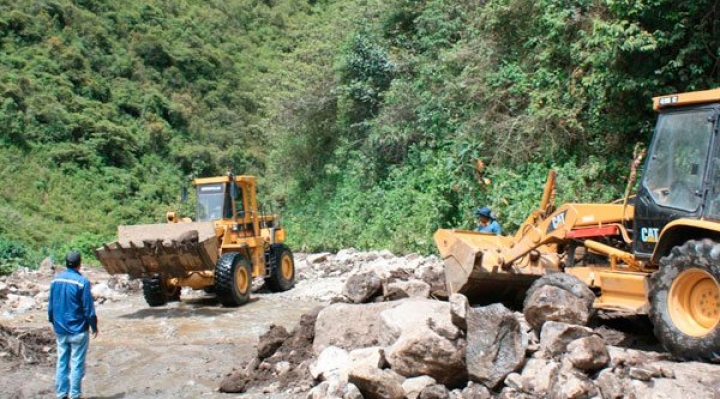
(229, 245)
(655, 253)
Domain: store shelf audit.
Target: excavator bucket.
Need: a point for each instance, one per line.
(472, 266)
(173, 249)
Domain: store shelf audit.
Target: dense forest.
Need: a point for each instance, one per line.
(369, 123)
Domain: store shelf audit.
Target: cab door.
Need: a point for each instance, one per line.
(674, 180)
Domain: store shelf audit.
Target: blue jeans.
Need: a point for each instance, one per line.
(71, 364)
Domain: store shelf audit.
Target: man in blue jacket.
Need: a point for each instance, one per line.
(486, 222)
(71, 311)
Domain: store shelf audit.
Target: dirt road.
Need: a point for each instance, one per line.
(181, 350)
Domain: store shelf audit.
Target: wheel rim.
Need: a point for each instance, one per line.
(694, 302)
(286, 267)
(241, 279)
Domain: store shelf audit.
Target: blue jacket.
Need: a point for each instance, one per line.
(492, 227)
(71, 309)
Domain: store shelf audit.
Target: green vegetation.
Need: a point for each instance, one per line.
(365, 119)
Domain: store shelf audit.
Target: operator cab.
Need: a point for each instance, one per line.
(681, 178)
(215, 200)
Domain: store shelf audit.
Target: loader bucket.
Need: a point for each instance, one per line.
(171, 249)
(473, 267)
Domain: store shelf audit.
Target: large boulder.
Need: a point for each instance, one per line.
(555, 337)
(495, 344)
(349, 326)
(362, 288)
(588, 354)
(558, 297)
(459, 309)
(375, 383)
(333, 363)
(422, 340)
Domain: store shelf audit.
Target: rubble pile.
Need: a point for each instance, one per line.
(25, 290)
(27, 345)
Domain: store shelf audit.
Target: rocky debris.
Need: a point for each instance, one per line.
(271, 340)
(555, 336)
(27, 345)
(588, 354)
(331, 277)
(349, 326)
(423, 348)
(495, 344)
(414, 385)
(362, 288)
(375, 383)
(422, 340)
(293, 355)
(25, 290)
(558, 297)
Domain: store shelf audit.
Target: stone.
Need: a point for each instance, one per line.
(609, 384)
(515, 381)
(640, 373)
(271, 340)
(361, 288)
(436, 391)
(474, 390)
(422, 340)
(538, 375)
(407, 289)
(413, 386)
(556, 336)
(334, 389)
(374, 383)
(588, 354)
(495, 344)
(459, 309)
(314, 259)
(551, 303)
(572, 385)
(373, 356)
(349, 326)
(333, 363)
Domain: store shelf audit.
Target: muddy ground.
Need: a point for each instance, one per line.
(182, 350)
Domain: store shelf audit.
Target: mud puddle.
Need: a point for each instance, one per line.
(182, 350)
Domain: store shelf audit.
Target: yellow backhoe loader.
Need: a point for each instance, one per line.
(656, 252)
(229, 245)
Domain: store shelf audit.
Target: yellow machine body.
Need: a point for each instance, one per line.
(185, 253)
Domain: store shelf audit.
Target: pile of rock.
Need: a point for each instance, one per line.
(362, 277)
(429, 349)
(26, 289)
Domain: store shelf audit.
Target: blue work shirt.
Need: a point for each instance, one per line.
(71, 309)
(492, 227)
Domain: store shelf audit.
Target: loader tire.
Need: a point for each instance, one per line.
(157, 293)
(685, 301)
(233, 279)
(282, 269)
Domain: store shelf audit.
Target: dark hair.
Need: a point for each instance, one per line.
(73, 259)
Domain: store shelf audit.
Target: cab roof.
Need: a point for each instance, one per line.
(689, 98)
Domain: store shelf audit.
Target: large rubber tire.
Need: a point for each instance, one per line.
(282, 269)
(685, 301)
(233, 279)
(157, 293)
